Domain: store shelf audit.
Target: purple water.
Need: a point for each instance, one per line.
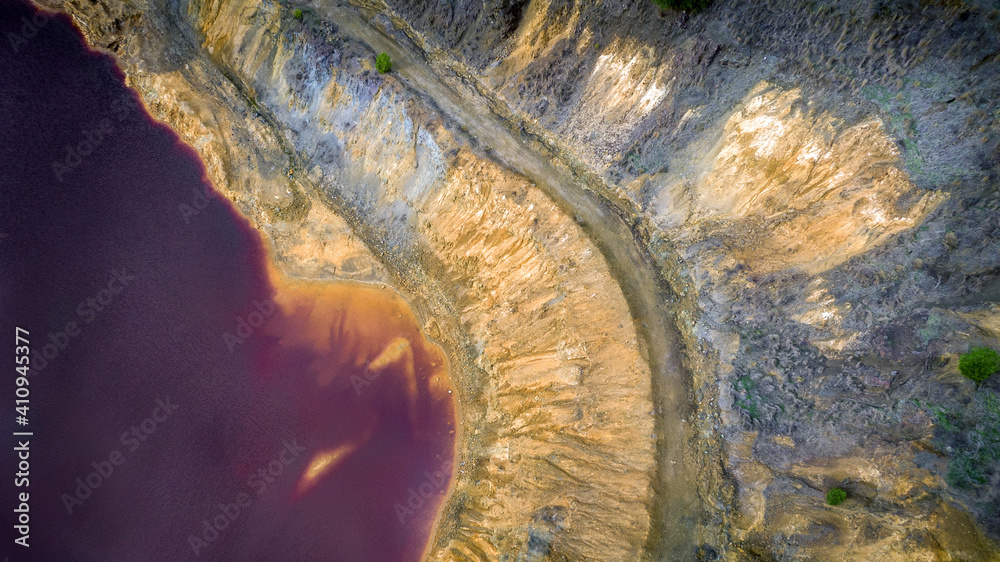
(181, 391)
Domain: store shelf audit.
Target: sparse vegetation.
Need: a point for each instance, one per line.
(979, 363)
(747, 400)
(691, 6)
(383, 63)
(298, 14)
(935, 326)
(836, 496)
(971, 437)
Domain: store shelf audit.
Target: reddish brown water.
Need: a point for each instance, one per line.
(187, 400)
(374, 397)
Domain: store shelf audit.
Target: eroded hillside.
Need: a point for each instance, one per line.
(691, 271)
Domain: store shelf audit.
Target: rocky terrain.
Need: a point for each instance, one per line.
(691, 270)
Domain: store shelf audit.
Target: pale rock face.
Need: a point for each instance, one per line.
(622, 91)
(567, 391)
(825, 192)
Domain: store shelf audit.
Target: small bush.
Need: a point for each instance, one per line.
(383, 63)
(298, 14)
(692, 6)
(979, 363)
(836, 496)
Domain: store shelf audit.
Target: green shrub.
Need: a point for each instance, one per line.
(382, 63)
(836, 496)
(693, 6)
(298, 14)
(979, 363)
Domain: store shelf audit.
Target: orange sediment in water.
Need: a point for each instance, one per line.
(374, 397)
